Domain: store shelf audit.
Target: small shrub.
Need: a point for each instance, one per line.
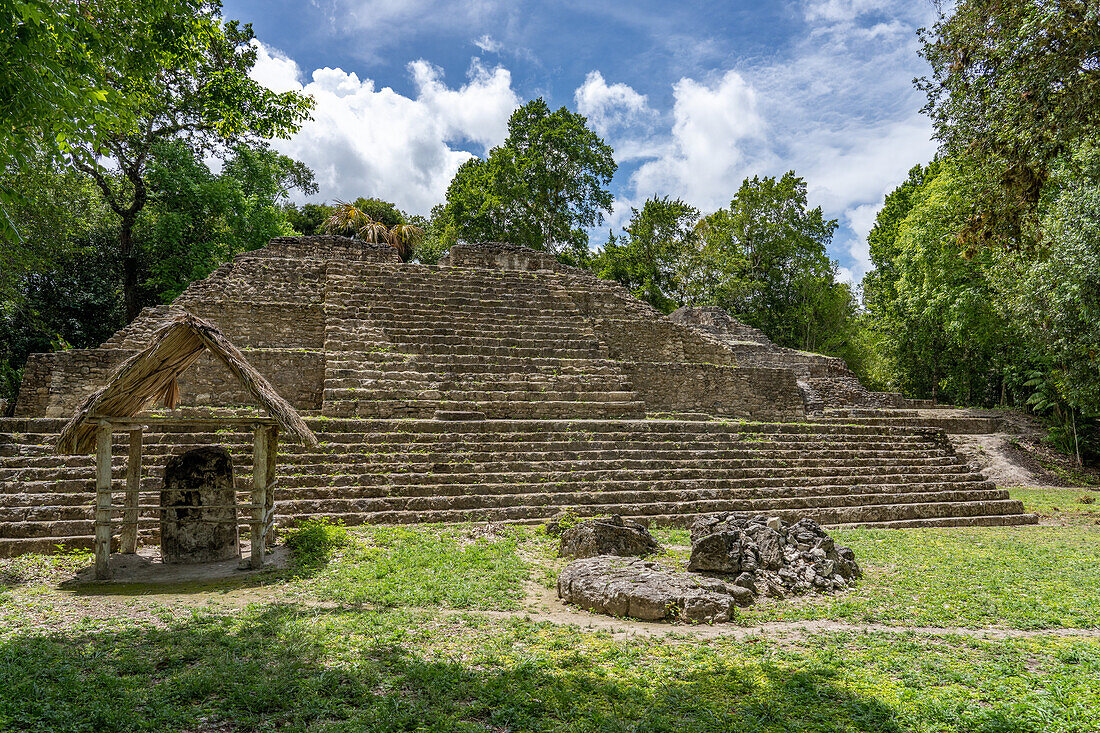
(315, 541)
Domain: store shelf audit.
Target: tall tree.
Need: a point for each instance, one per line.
(879, 283)
(178, 72)
(774, 246)
(1015, 83)
(649, 256)
(51, 91)
(197, 219)
(543, 188)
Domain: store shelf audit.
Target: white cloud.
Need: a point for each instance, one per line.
(840, 11)
(708, 152)
(839, 109)
(609, 107)
(365, 141)
(487, 44)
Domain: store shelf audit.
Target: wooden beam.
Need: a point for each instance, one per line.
(103, 503)
(128, 423)
(128, 538)
(260, 446)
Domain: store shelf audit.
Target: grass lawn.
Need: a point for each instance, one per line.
(433, 628)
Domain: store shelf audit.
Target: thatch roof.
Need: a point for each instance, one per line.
(152, 373)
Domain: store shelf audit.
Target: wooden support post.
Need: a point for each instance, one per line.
(269, 497)
(128, 537)
(259, 495)
(103, 502)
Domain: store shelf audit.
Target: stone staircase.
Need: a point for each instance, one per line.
(950, 420)
(410, 341)
(503, 386)
(405, 471)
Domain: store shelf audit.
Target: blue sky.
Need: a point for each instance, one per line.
(693, 96)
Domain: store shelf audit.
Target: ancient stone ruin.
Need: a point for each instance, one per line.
(198, 515)
(498, 385)
(734, 560)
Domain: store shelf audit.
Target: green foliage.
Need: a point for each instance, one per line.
(435, 241)
(1014, 89)
(763, 259)
(314, 542)
(943, 329)
(63, 288)
(542, 188)
(656, 244)
(307, 219)
(175, 71)
(373, 220)
(879, 285)
(51, 91)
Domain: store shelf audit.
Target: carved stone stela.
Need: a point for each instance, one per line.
(198, 519)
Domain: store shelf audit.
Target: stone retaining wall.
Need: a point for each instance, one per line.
(742, 393)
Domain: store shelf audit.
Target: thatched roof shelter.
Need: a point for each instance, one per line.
(152, 373)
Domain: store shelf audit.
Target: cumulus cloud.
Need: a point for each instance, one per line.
(365, 141)
(839, 109)
(709, 149)
(609, 107)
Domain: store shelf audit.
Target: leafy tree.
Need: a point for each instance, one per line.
(771, 248)
(945, 328)
(879, 283)
(177, 72)
(434, 242)
(1058, 299)
(53, 208)
(1014, 85)
(196, 219)
(307, 219)
(650, 255)
(50, 90)
(543, 188)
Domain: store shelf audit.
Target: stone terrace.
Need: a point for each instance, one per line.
(497, 385)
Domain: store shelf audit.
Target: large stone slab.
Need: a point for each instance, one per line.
(641, 589)
(198, 516)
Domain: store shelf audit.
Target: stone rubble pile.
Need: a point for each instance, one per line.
(768, 555)
(734, 559)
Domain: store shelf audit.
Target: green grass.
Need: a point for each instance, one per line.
(282, 668)
(1051, 501)
(454, 566)
(386, 649)
(1019, 577)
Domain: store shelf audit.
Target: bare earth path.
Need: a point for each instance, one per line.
(67, 609)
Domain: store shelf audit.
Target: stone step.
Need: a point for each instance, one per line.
(954, 425)
(841, 509)
(17, 469)
(683, 513)
(53, 507)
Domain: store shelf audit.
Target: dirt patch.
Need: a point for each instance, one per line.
(998, 460)
(146, 568)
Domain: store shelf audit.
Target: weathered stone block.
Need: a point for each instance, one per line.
(198, 516)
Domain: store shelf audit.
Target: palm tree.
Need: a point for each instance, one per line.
(349, 220)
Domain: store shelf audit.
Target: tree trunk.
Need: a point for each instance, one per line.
(129, 268)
